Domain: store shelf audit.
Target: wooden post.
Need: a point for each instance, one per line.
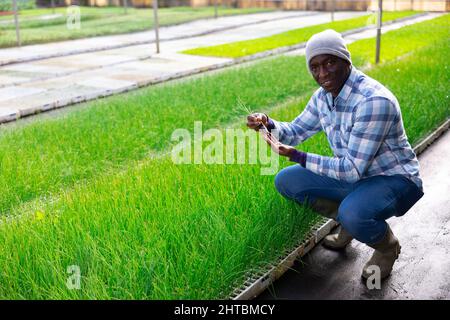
(16, 22)
(155, 15)
(53, 6)
(379, 23)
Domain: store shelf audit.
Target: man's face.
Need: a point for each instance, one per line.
(330, 72)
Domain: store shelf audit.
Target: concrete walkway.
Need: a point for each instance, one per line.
(32, 87)
(423, 269)
(181, 31)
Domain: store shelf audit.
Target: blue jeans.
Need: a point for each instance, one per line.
(364, 205)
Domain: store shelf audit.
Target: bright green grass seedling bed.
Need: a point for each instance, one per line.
(289, 38)
(43, 157)
(156, 230)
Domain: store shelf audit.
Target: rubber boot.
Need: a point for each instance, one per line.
(337, 241)
(386, 252)
(329, 209)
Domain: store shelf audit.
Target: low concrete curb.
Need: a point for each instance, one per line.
(425, 143)
(261, 281)
(141, 42)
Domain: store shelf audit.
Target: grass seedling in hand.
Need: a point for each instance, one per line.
(258, 121)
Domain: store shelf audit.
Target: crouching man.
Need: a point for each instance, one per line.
(374, 173)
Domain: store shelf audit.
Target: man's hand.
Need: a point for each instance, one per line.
(285, 150)
(278, 147)
(255, 120)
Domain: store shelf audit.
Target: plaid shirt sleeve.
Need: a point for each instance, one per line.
(301, 128)
(373, 120)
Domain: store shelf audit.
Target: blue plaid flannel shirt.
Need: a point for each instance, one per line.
(364, 128)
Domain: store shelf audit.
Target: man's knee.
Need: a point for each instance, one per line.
(282, 183)
(288, 183)
(350, 216)
(356, 219)
(348, 219)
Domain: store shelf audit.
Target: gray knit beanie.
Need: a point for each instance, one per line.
(326, 42)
